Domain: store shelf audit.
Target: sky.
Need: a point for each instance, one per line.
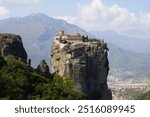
(88, 14)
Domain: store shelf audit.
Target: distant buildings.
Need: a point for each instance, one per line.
(62, 37)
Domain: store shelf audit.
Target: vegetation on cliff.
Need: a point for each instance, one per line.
(100, 43)
(17, 81)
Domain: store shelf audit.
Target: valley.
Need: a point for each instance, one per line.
(128, 89)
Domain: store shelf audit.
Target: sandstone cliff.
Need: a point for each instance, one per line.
(11, 44)
(84, 62)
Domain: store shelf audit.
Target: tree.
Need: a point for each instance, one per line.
(17, 81)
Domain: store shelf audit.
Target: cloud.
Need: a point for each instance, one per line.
(4, 13)
(19, 2)
(98, 16)
(145, 19)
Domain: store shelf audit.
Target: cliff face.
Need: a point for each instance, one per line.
(11, 44)
(84, 62)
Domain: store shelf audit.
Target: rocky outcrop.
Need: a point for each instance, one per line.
(11, 44)
(84, 62)
(43, 69)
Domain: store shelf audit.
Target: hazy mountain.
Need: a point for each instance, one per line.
(136, 33)
(125, 63)
(37, 32)
(128, 55)
(132, 43)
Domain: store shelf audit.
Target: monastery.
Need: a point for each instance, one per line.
(61, 36)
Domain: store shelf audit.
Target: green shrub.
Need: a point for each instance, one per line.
(94, 40)
(145, 96)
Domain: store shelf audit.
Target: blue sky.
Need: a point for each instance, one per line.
(133, 5)
(67, 7)
(88, 14)
(49, 7)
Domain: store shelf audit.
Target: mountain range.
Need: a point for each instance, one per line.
(126, 41)
(127, 64)
(37, 32)
(127, 56)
